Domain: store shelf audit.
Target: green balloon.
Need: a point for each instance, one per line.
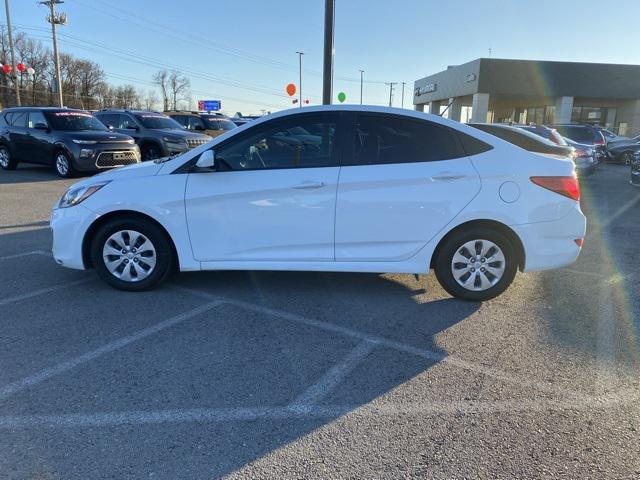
(341, 97)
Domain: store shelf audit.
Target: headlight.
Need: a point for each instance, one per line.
(174, 140)
(84, 142)
(131, 141)
(76, 195)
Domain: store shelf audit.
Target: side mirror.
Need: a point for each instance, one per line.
(207, 160)
(110, 127)
(41, 126)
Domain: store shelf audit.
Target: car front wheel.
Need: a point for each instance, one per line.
(132, 255)
(62, 165)
(476, 264)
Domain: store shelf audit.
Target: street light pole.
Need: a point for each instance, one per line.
(391, 84)
(13, 58)
(361, 82)
(327, 73)
(402, 102)
(54, 20)
(300, 54)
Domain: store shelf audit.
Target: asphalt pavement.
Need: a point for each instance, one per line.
(319, 375)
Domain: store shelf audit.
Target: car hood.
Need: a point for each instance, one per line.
(143, 169)
(103, 137)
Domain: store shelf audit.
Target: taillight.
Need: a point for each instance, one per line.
(567, 186)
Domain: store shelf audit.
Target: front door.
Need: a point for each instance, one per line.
(272, 196)
(403, 180)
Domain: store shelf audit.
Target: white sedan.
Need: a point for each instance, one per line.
(378, 190)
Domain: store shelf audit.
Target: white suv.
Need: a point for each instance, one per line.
(333, 188)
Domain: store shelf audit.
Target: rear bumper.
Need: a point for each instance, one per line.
(552, 244)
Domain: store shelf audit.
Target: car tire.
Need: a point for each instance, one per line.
(6, 160)
(150, 152)
(132, 254)
(476, 264)
(63, 164)
(627, 158)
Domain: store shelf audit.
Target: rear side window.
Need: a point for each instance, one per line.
(471, 145)
(109, 119)
(386, 139)
(17, 119)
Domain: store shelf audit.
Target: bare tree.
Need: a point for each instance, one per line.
(161, 78)
(179, 87)
(151, 100)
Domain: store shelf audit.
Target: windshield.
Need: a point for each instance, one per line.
(157, 121)
(218, 123)
(74, 121)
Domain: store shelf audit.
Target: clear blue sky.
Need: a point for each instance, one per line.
(243, 51)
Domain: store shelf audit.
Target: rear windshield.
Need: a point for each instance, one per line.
(577, 134)
(74, 121)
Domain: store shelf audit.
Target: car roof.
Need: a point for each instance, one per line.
(124, 110)
(46, 109)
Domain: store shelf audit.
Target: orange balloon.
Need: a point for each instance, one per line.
(291, 89)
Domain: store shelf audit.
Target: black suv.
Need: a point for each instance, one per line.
(157, 134)
(584, 134)
(70, 140)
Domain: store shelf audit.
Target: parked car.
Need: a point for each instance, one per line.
(69, 140)
(212, 124)
(157, 134)
(623, 152)
(609, 136)
(550, 134)
(584, 156)
(635, 172)
(386, 190)
(586, 135)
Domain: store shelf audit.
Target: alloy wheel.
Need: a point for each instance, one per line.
(478, 265)
(62, 164)
(129, 255)
(4, 157)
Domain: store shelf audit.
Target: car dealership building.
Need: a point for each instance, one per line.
(525, 91)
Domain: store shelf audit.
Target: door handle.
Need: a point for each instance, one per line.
(308, 185)
(447, 177)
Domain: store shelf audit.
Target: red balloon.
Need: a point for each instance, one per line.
(6, 68)
(21, 67)
(291, 89)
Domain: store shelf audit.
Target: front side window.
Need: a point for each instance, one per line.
(74, 121)
(272, 145)
(109, 119)
(383, 140)
(195, 123)
(36, 118)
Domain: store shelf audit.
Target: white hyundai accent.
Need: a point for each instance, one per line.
(333, 188)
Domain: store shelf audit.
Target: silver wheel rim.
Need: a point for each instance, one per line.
(150, 154)
(62, 164)
(478, 265)
(4, 157)
(129, 255)
(627, 158)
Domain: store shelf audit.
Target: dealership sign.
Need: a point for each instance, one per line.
(428, 88)
(209, 105)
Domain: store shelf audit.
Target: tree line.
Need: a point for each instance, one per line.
(84, 83)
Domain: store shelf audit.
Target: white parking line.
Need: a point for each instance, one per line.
(42, 291)
(24, 254)
(47, 373)
(420, 352)
(333, 377)
(375, 409)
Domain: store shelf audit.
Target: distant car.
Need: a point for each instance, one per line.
(537, 144)
(585, 135)
(384, 190)
(623, 152)
(157, 134)
(584, 156)
(545, 132)
(69, 140)
(609, 136)
(212, 124)
(635, 172)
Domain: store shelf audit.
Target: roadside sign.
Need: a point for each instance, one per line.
(209, 105)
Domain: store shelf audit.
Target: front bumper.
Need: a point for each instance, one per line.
(69, 226)
(104, 156)
(552, 244)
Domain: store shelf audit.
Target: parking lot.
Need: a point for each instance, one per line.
(318, 375)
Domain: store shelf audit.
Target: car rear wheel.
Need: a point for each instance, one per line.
(476, 264)
(132, 255)
(63, 165)
(6, 162)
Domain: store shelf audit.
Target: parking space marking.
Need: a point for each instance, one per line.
(419, 352)
(24, 254)
(42, 291)
(47, 373)
(333, 377)
(375, 409)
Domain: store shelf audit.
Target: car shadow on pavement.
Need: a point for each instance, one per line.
(34, 173)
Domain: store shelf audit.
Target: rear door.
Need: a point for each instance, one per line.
(402, 181)
(18, 135)
(38, 140)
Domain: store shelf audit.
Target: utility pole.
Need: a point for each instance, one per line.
(327, 72)
(13, 58)
(300, 54)
(402, 102)
(361, 82)
(56, 19)
(391, 85)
